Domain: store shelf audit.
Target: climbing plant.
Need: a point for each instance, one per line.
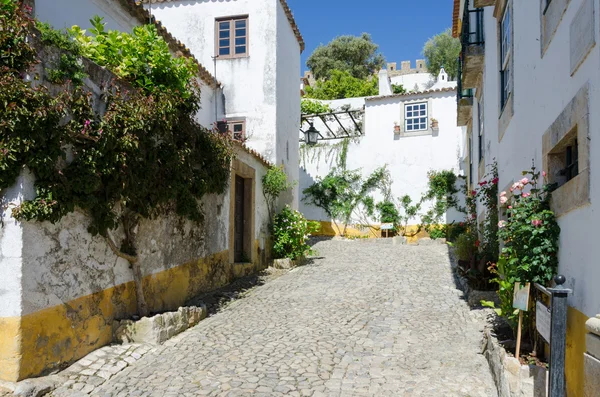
(345, 194)
(146, 155)
(274, 183)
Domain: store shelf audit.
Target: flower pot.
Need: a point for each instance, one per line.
(396, 129)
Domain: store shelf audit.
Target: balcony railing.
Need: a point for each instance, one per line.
(472, 28)
(472, 43)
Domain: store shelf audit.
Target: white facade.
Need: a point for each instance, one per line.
(543, 88)
(409, 155)
(260, 88)
(414, 81)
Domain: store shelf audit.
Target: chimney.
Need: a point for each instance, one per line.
(385, 88)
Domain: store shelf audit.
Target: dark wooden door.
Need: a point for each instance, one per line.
(238, 222)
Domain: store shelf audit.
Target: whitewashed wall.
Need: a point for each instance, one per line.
(409, 81)
(409, 158)
(288, 101)
(542, 89)
(47, 264)
(66, 13)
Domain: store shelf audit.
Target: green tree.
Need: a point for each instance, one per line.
(357, 55)
(342, 85)
(442, 50)
(398, 89)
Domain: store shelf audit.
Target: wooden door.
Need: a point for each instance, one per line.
(238, 222)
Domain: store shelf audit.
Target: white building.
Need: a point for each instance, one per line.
(531, 74)
(257, 44)
(393, 135)
(61, 288)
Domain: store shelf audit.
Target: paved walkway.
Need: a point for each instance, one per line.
(367, 318)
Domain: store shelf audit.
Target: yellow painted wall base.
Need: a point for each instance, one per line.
(329, 229)
(576, 331)
(38, 342)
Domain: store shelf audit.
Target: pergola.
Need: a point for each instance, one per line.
(339, 124)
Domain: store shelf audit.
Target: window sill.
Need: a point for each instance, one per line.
(228, 57)
(404, 134)
(572, 195)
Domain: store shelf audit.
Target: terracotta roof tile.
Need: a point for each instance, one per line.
(455, 18)
(254, 153)
(376, 98)
(286, 8)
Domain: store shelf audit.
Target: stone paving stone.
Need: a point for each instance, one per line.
(364, 318)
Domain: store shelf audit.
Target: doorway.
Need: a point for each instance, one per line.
(239, 221)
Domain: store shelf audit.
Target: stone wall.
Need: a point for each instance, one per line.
(62, 288)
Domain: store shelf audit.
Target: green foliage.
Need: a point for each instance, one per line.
(342, 84)
(502, 277)
(291, 231)
(343, 193)
(442, 50)
(358, 56)
(531, 233)
(442, 191)
(313, 107)
(398, 89)
(57, 38)
(409, 211)
(466, 248)
(142, 57)
(68, 69)
(15, 24)
(388, 213)
(488, 194)
(145, 155)
(274, 182)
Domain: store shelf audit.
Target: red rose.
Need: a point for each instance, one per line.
(477, 243)
(483, 183)
(495, 181)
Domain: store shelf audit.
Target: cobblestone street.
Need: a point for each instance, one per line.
(365, 318)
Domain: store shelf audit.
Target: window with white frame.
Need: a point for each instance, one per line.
(416, 117)
(505, 55)
(238, 129)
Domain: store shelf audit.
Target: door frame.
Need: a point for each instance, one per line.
(243, 170)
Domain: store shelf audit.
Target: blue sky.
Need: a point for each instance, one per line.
(400, 27)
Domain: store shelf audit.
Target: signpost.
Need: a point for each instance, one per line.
(521, 302)
(543, 320)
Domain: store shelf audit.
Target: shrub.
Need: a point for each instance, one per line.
(466, 247)
(291, 231)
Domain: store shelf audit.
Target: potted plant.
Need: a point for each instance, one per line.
(396, 128)
(434, 124)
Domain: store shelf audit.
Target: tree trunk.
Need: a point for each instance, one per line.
(129, 224)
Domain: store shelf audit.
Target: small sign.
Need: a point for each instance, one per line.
(543, 319)
(387, 226)
(521, 297)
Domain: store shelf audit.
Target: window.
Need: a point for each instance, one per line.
(232, 37)
(415, 116)
(505, 55)
(470, 159)
(238, 129)
(480, 120)
(572, 161)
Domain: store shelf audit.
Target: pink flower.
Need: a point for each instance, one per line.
(87, 123)
(495, 181)
(544, 174)
(510, 207)
(524, 181)
(503, 200)
(536, 222)
(502, 194)
(525, 195)
(515, 186)
(501, 224)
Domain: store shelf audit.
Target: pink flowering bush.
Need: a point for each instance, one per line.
(531, 233)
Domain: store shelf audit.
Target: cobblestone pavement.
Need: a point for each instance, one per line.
(366, 318)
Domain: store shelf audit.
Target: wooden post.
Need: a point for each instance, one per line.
(518, 350)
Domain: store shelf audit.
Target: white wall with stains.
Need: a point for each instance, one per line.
(408, 157)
